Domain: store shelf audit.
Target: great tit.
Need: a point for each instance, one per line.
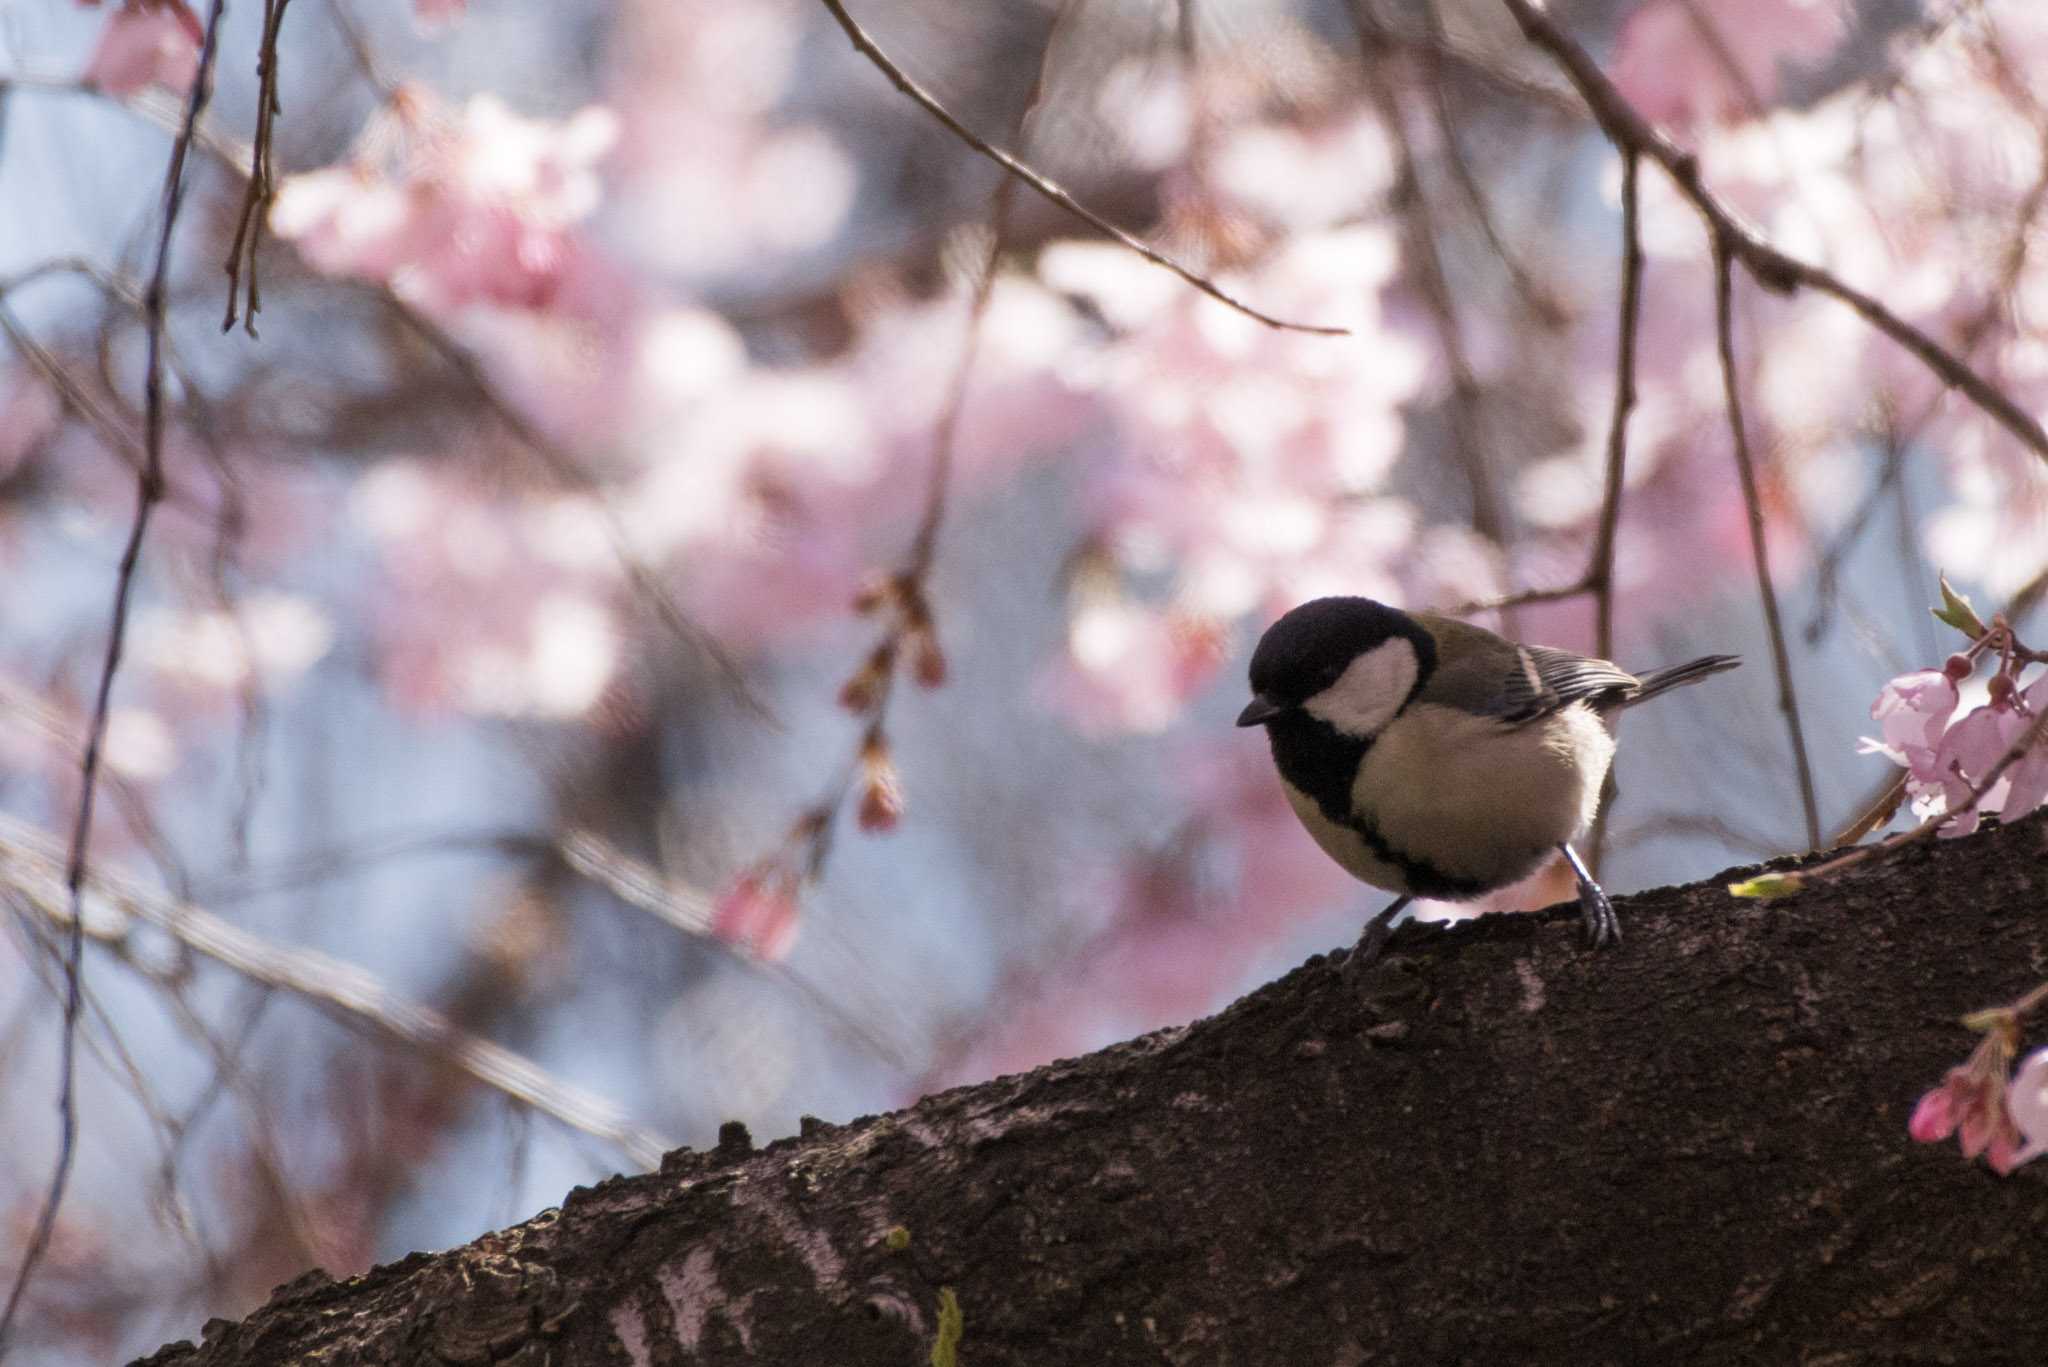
(1433, 758)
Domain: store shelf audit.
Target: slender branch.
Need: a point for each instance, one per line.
(1773, 269)
(1600, 574)
(1464, 408)
(32, 868)
(1535, 296)
(1752, 499)
(905, 595)
(149, 492)
(261, 186)
(1043, 186)
(1600, 571)
(1598, 579)
(1522, 598)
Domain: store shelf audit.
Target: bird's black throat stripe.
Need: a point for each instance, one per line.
(1323, 762)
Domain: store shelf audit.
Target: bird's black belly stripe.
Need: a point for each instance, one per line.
(1323, 762)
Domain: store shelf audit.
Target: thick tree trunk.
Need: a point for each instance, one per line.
(1495, 1148)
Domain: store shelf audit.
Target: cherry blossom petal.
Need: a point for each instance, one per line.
(145, 43)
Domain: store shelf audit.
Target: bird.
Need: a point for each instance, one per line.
(1433, 758)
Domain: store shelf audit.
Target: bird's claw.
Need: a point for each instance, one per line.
(1603, 927)
(1367, 951)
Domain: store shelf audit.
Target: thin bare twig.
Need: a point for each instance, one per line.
(1536, 297)
(353, 994)
(1771, 268)
(1600, 571)
(149, 492)
(1598, 579)
(1600, 574)
(1045, 187)
(1464, 409)
(261, 187)
(1752, 499)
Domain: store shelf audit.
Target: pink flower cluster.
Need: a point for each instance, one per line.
(145, 43)
(2004, 1120)
(451, 209)
(1948, 759)
(1684, 65)
(1251, 467)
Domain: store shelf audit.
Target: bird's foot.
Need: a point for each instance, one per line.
(1372, 941)
(1603, 927)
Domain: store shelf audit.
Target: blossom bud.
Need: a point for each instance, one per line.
(1934, 1118)
(876, 594)
(881, 797)
(2001, 690)
(863, 691)
(1958, 667)
(757, 912)
(927, 661)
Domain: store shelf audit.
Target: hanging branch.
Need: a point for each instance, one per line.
(1752, 501)
(353, 994)
(1598, 579)
(262, 184)
(928, 102)
(149, 491)
(1464, 411)
(1776, 271)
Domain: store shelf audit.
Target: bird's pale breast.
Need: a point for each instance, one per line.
(1479, 803)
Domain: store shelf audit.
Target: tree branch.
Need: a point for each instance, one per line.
(1480, 1153)
(1773, 269)
(1043, 186)
(149, 491)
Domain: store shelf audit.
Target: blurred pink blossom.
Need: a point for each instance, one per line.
(437, 13)
(1131, 667)
(145, 43)
(757, 912)
(450, 210)
(1683, 65)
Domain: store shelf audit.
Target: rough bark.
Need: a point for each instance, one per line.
(1495, 1148)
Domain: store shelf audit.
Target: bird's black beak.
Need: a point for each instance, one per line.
(1259, 711)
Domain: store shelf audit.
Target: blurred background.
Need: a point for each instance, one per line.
(500, 781)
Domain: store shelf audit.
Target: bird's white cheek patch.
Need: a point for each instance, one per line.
(1368, 694)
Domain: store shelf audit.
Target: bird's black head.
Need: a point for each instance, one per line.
(1382, 654)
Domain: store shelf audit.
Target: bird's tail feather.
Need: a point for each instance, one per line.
(1664, 680)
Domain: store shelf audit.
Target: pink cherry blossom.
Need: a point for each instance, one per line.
(757, 912)
(1912, 711)
(1969, 752)
(451, 210)
(145, 43)
(2026, 1100)
(1683, 64)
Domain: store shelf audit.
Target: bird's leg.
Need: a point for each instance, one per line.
(1372, 941)
(1603, 927)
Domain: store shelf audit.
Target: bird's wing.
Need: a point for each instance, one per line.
(1516, 683)
(1548, 679)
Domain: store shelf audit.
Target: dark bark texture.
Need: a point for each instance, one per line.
(1494, 1147)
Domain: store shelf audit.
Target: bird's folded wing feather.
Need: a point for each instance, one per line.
(1523, 684)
